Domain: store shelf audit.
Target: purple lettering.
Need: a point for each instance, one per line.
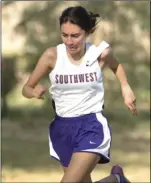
(87, 76)
(57, 79)
(81, 78)
(70, 78)
(61, 79)
(66, 79)
(95, 76)
(91, 77)
(75, 79)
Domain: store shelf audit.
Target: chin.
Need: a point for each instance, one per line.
(73, 51)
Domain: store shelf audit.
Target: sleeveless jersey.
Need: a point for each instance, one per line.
(78, 89)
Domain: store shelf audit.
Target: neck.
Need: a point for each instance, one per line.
(78, 56)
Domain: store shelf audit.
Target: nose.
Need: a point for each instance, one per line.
(69, 41)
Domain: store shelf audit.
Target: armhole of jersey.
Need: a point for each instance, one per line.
(93, 52)
(58, 47)
(102, 46)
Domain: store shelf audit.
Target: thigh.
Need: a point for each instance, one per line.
(80, 166)
(60, 143)
(95, 137)
(86, 179)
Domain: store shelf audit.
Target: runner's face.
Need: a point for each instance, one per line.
(73, 37)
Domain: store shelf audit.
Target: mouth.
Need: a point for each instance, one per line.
(71, 48)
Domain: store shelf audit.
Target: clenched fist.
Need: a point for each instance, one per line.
(39, 91)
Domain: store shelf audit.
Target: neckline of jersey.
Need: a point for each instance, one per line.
(83, 59)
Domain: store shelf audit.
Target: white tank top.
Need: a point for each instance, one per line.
(78, 89)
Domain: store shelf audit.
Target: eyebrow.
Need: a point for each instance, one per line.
(71, 34)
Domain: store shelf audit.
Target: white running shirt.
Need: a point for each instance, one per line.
(78, 89)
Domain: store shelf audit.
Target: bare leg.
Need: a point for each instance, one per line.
(86, 179)
(81, 165)
(116, 175)
(109, 179)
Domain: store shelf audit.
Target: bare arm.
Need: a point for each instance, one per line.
(108, 59)
(44, 65)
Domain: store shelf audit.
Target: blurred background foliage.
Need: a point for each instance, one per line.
(125, 25)
(30, 27)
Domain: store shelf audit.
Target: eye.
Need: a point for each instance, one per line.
(64, 35)
(75, 35)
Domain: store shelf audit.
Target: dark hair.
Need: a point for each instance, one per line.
(81, 17)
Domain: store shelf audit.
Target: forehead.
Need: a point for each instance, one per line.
(70, 28)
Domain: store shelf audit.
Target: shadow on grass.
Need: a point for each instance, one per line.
(25, 137)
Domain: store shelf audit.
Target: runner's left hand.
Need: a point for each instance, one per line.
(129, 98)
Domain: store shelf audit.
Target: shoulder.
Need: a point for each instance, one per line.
(51, 52)
(51, 56)
(105, 57)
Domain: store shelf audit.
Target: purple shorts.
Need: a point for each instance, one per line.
(87, 133)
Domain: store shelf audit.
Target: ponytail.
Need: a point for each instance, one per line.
(93, 21)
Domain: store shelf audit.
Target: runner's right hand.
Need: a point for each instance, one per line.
(39, 91)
